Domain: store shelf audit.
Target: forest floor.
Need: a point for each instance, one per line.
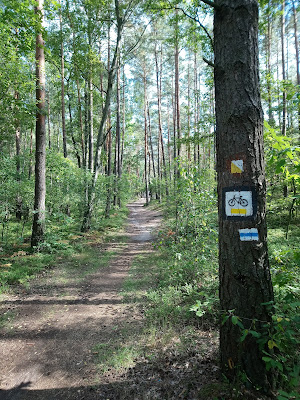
(72, 335)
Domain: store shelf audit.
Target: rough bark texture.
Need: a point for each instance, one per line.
(38, 227)
(245, 281)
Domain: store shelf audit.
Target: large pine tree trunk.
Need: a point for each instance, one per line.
(38, 227)
(245, 282)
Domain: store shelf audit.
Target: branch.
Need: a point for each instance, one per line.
(138, 41)
(210, 63)
(197, 20)
(105, 136)
(212, 4)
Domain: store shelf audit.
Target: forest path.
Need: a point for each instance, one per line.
(46, 350)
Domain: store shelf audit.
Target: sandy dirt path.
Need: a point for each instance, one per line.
(47, 352)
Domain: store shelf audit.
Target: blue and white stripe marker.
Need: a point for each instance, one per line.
(247, 235)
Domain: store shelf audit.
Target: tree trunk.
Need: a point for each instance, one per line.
(63, 116)
(101, 137)
(38, 227)
(160, 135)
(49, 121)
(109, 139)
(117, 170)
(297, 60)
(72, 134)
(145, 135)
(151, 150)
(169, 143)
(91, 114)
(86, 123)
(173, 96)
(81, 125)
(268, 50)
(245, 282)
(19, 201)
(284, 107)
(196, 114)
(123, 122)
(177, 99)
(188, 147)
(30, 153)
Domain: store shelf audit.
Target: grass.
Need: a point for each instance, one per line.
(65, 248)
(115, 356)
(6, 319)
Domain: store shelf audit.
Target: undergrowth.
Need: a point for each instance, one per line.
(186, 287)
(63, 243)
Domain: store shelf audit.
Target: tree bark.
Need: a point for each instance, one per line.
(49, 121)
(245, 282)
(83, 156)
(63, 113)
(109, 138)
(19, 201)
(284, 107)
(145, 135)
(160, 135)
(30, 171)
(150, 141)
(177, 99)
(188, 147)
(118, 139)
(38, 227)
(71, 132)
(297, 60)
(269, 72)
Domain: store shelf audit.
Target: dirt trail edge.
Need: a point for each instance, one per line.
(47, 351)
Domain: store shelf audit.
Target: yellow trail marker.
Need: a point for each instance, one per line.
(237, 166)
(238, 211)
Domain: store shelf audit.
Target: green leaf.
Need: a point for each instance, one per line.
(271, 344)
(255, 334)
(225, 319)
(245, 333)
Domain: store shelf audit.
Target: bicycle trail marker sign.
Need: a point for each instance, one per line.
(239, 203)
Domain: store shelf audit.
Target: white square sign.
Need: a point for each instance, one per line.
(239, 203)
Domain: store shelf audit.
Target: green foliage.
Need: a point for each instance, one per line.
(19, 269)
(114, 356)
(282, 156)
(188, 279)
